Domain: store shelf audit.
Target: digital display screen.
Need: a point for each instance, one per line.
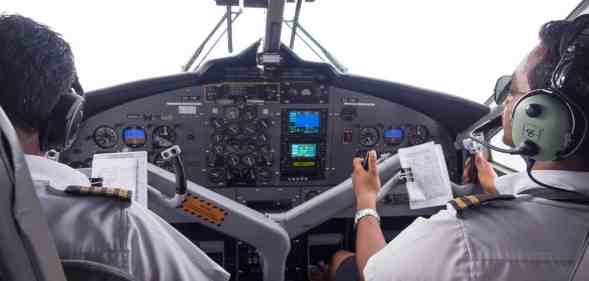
(304, 122)
(303, 150)
(395, 133)
(393, 136)
(134, 136)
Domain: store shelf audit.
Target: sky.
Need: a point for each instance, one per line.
(458, 47)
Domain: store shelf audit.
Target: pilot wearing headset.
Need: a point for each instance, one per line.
(533, 234)
(40, 94)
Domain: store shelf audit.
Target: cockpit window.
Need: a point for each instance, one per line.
(458, 47)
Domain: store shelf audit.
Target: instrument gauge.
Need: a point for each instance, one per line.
(232, 113)
(417, 134)
(393, 136)
(369, 136)
(164, 137)
(105, 137)
(134, 136)
(250, 113)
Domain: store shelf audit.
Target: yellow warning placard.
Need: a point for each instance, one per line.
(204, 210)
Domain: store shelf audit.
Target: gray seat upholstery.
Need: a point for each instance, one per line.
(581, 269)
(27, 250)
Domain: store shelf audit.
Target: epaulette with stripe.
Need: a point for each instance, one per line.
(112, 192)
(471, 201)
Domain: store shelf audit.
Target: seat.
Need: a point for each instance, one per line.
(27, 250)
(581, 269)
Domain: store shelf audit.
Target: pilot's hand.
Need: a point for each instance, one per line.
(366, 183)
(485, 173)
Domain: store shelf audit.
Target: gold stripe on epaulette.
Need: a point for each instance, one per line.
(460, 203)
(474, 199)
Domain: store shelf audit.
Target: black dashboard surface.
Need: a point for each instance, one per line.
(269, 139)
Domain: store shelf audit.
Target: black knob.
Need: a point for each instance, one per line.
(233, 129)
(264, 124)
(216, 123)
(265, 174)
(250, 129)
(534, 110)
(249, 160)
(219, 149)
(233, 160)
(216, 175)
(263, 138)
(217, 138)
(250, 174)
(214, 160)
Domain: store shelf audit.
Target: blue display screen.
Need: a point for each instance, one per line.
(394, 133)
(134, 136)
(303, 150)
(304, 122)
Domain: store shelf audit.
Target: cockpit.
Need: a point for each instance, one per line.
(266, 140)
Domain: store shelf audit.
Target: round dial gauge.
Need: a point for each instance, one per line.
(417, 134)
(250, 113)
(232, 113)
(105, 137)
(134, 136)
(369, 136)
(164, 137)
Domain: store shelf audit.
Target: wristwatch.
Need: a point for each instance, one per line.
(363, 213)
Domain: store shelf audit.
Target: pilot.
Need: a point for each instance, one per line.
(36, 70)
(534, 235)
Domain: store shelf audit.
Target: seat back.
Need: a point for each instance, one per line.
(27, 250)
(581, 269)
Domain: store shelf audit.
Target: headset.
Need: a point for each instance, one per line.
(549, 124)
(65, 120)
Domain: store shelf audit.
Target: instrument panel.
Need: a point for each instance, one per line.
(271, 145)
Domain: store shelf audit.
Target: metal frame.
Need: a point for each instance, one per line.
(241, 222)
(229, 19)
(274, 18)
(269, 233)
(295, 23)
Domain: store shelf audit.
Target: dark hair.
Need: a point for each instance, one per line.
(36, 68)
(557, 37)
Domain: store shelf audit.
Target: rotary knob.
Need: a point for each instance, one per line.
(249, 160)
(218, 149)
(233, 160)
(264, 124)
(233, 129)
(265, 174)
(216, 123)
(250, 113)
(217, 138)
(214, 160)
(250, 129)
(263, 138)
(216, 175)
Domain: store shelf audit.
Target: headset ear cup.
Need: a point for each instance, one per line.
(542, 117)
(63, 126)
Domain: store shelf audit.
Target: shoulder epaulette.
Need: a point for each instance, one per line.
(112, 192)
(470, 201)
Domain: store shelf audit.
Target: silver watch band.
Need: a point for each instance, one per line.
(364, 213)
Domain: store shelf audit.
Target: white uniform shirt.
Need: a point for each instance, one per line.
(524, 239)
(123, 235)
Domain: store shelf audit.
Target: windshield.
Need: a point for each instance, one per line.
(458, 47)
